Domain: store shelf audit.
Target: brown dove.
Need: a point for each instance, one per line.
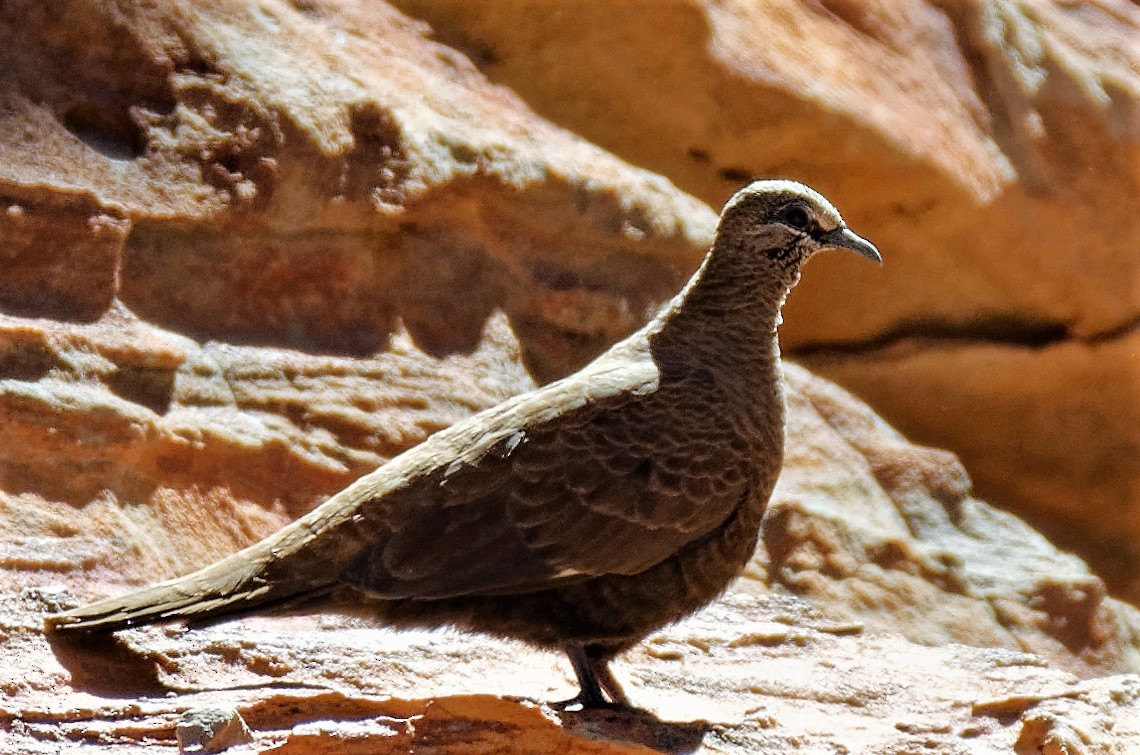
(583, 515)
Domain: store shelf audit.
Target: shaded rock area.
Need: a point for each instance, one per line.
(990, 149)
(250, 251)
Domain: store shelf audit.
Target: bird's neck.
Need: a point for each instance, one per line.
(715, 344)
(727, 313)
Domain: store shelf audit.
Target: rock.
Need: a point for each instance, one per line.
(119, 431)
(211, 730)
(874, 552)
(212, 203)
(237, 207)
(989, 150)
(887, 533)
(220, 190)
(1073, 448)
(752, 674)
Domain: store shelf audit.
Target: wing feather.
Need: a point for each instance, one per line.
(596, 486)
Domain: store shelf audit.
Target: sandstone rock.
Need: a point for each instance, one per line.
(983, 142)
(887, 533)
(269, 263)
(900, 565)
(750, 675)
(989, 149)
(1073, 430)
(178, 189)
(178, 453)
(211, 730)
(221, 190)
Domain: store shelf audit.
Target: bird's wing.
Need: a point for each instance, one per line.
(590, 488)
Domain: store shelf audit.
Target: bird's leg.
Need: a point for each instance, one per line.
(594, 678)
(605, 677)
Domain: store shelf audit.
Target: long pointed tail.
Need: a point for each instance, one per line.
(232, 586)
(301, 559)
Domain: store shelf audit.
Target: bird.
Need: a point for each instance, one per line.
(581, 516)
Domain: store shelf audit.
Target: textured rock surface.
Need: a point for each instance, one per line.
(206, 252)
(989, 148)
(898, 561)
(172, 163)
(224, 191)
(178, 453)
(749, 675)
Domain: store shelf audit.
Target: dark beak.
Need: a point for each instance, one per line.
(845, 238)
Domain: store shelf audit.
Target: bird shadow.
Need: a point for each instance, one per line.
(635, 726)
(105, 665)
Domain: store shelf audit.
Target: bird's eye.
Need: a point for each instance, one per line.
(796, 217)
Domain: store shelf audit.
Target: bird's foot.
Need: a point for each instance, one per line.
(599, 689)
(583, 701)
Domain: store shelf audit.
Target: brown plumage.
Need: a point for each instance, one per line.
(582, 515)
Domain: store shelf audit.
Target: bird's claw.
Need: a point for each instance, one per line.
(583, 701)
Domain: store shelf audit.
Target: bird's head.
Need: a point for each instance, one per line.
(784, 223)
